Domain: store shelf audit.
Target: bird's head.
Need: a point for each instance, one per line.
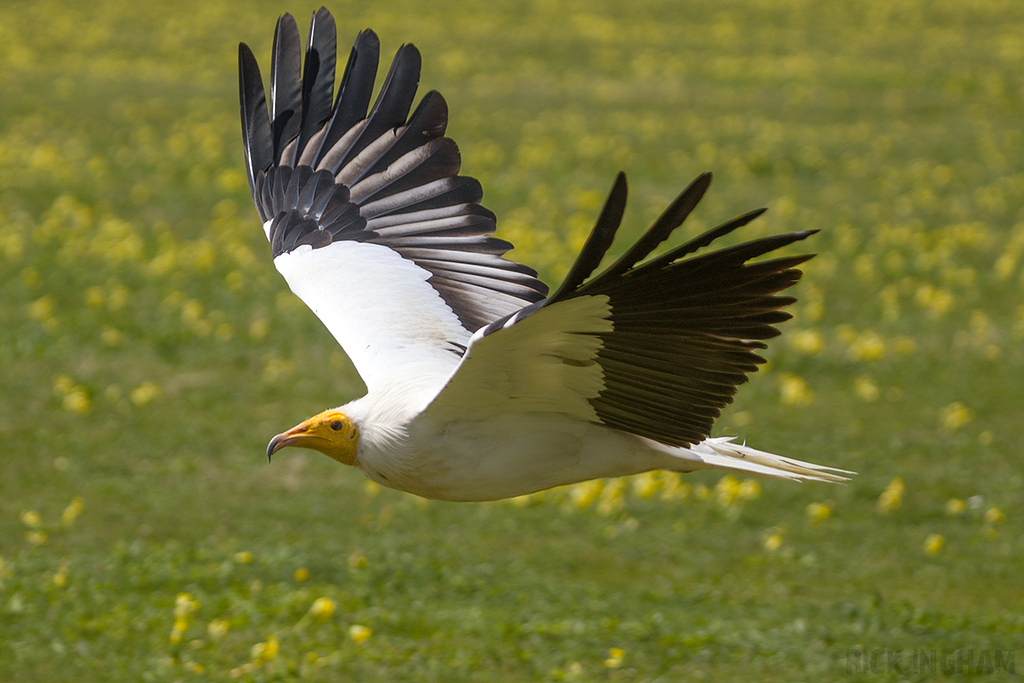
(332, 432)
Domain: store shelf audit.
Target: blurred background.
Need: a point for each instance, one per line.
(149, 350)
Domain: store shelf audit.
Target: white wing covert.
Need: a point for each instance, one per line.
(367, 217)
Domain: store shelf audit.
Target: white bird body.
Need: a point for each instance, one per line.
(480, 383)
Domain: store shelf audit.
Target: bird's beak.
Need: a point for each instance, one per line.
(299, 435)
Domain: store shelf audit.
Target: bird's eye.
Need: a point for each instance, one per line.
(337, 425)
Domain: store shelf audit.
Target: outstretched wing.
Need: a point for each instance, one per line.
(655, 348)
(367, 217)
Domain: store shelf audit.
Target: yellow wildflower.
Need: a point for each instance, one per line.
(112, 337)
(357, 561)
(615, 656)
(264, 652)
(184, 606)
(994, 516)
(819, 512)
(865, 389)
(673, 487)
(42, 309)
(892, 496)
(727, 490)
(60, 579)
(359, 634)
(954, 416)
(217, 629)
(77, 401)
(322, 609)
(955, 506)
(809, 342)
(933, 544)
(244, 557)
(145, 393)
(749, 489)
(301, 574)
(258, 329)
(646, 485)
(31, 519)
(72, 511)
(794, 390)
(611, 497)
(868, 345)
(585, 492)
(63, 384)
(773, 543)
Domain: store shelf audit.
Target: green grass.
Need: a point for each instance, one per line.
(149, 351)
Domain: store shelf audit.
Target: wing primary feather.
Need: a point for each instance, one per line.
(285, 85)
(394, 100)
(318, 76)
(257, 141)
(428, 121)
(704, 239)
(354, 93)
(599, 242)
(671, 219)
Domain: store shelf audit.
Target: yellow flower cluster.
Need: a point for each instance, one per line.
(217, 629)
(808, 342)
(892, 496)
(74, 397)
(865, 389)
(265, 651)
(730, 492)
(145, 393)
(72, 511)
(184, 609)
(794, 390)
(955, 416)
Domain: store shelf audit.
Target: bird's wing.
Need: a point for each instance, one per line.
(367, 217)
(655, 348)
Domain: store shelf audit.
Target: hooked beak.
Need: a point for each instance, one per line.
(296, 436)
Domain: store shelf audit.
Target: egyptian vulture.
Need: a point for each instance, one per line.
(480, 383)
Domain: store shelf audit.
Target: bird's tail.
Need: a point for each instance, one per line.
(722, 454)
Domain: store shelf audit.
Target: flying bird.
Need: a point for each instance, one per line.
(482, 384)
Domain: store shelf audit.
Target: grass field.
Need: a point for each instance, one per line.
(148, 351)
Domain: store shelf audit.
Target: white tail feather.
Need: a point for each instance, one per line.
(721, 453)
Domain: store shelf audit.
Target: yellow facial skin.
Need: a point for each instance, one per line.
(331, 432)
